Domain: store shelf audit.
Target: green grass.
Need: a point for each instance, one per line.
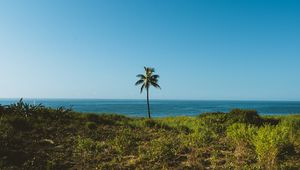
(36, 137)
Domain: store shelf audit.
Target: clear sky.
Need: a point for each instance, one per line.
(222, 50)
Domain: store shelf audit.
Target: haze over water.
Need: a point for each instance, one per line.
(163, 108)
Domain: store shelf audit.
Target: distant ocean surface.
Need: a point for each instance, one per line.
(163, 108)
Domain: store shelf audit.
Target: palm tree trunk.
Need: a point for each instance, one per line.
(148, 104)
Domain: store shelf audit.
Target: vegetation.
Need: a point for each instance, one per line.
(37, 137)
(146, 80)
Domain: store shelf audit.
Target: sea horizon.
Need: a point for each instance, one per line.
(162, 107)
(152, 99)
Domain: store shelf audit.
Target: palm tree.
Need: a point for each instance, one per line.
(148, 79)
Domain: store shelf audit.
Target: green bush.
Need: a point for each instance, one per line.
(294, 129)
(212, 115)
(91, 125)
(87, 145)
(270, 121)
(163, 150)
(244, 116)
(241, 134)
(241, 137)
(215, 122)
(184, 129)
(125, 142)
(91, 117)
(206, 134)
(88, 150)
(2, 109)
(20, 123)
(106, 119)
(269, 143)
(156, 124)
(5, 128)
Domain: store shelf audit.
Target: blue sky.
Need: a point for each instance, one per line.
(216, 50)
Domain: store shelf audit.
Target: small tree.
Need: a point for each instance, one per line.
(146, 80)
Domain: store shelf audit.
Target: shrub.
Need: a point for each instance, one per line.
(87, 145)
(92, 117)
(269, 142)
(294, 128)
(20, 123)
(216, 122)
(212, 114)
(2, 109)
(88, 150)
(157, 125)
(184, 129)
(271, 120)
(189, 140)
(125, 142)
(164, 150)
(106, 119)
(5, 128)
(206, 134)
(244, 116)
(22, 108)
(242, 135)
(91, 125)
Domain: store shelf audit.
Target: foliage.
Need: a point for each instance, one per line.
(164, 150)
(241, 137)
(241, 134)
(269, 144)
(91, 125)
(293, 124)
(244, 116)
(38, 137)
(125, 142)
(206, 134)
(88, 149)
(217, 122)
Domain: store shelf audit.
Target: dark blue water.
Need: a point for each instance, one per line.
(162, 108)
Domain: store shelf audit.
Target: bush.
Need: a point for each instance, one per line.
(244, 116)
(106, 119)
(269, 143)
(294, 128)
(216, 121)
(241, 136)
(125, 142)
(20, 123)
(88, 150)
(92, 117)
(91, 125)
(163, 150)
(184, 129)
(212, 114)
(206, 134)
(155, 124)
(6, 135)
(2, 109)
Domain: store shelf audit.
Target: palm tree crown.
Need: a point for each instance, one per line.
(148, 79)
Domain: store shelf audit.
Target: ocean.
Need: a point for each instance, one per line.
(164, 108)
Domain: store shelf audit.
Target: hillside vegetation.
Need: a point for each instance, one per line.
(37, 137)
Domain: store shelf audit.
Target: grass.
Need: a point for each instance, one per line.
(37, 137)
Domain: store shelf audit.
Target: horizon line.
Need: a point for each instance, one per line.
(155, 99)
